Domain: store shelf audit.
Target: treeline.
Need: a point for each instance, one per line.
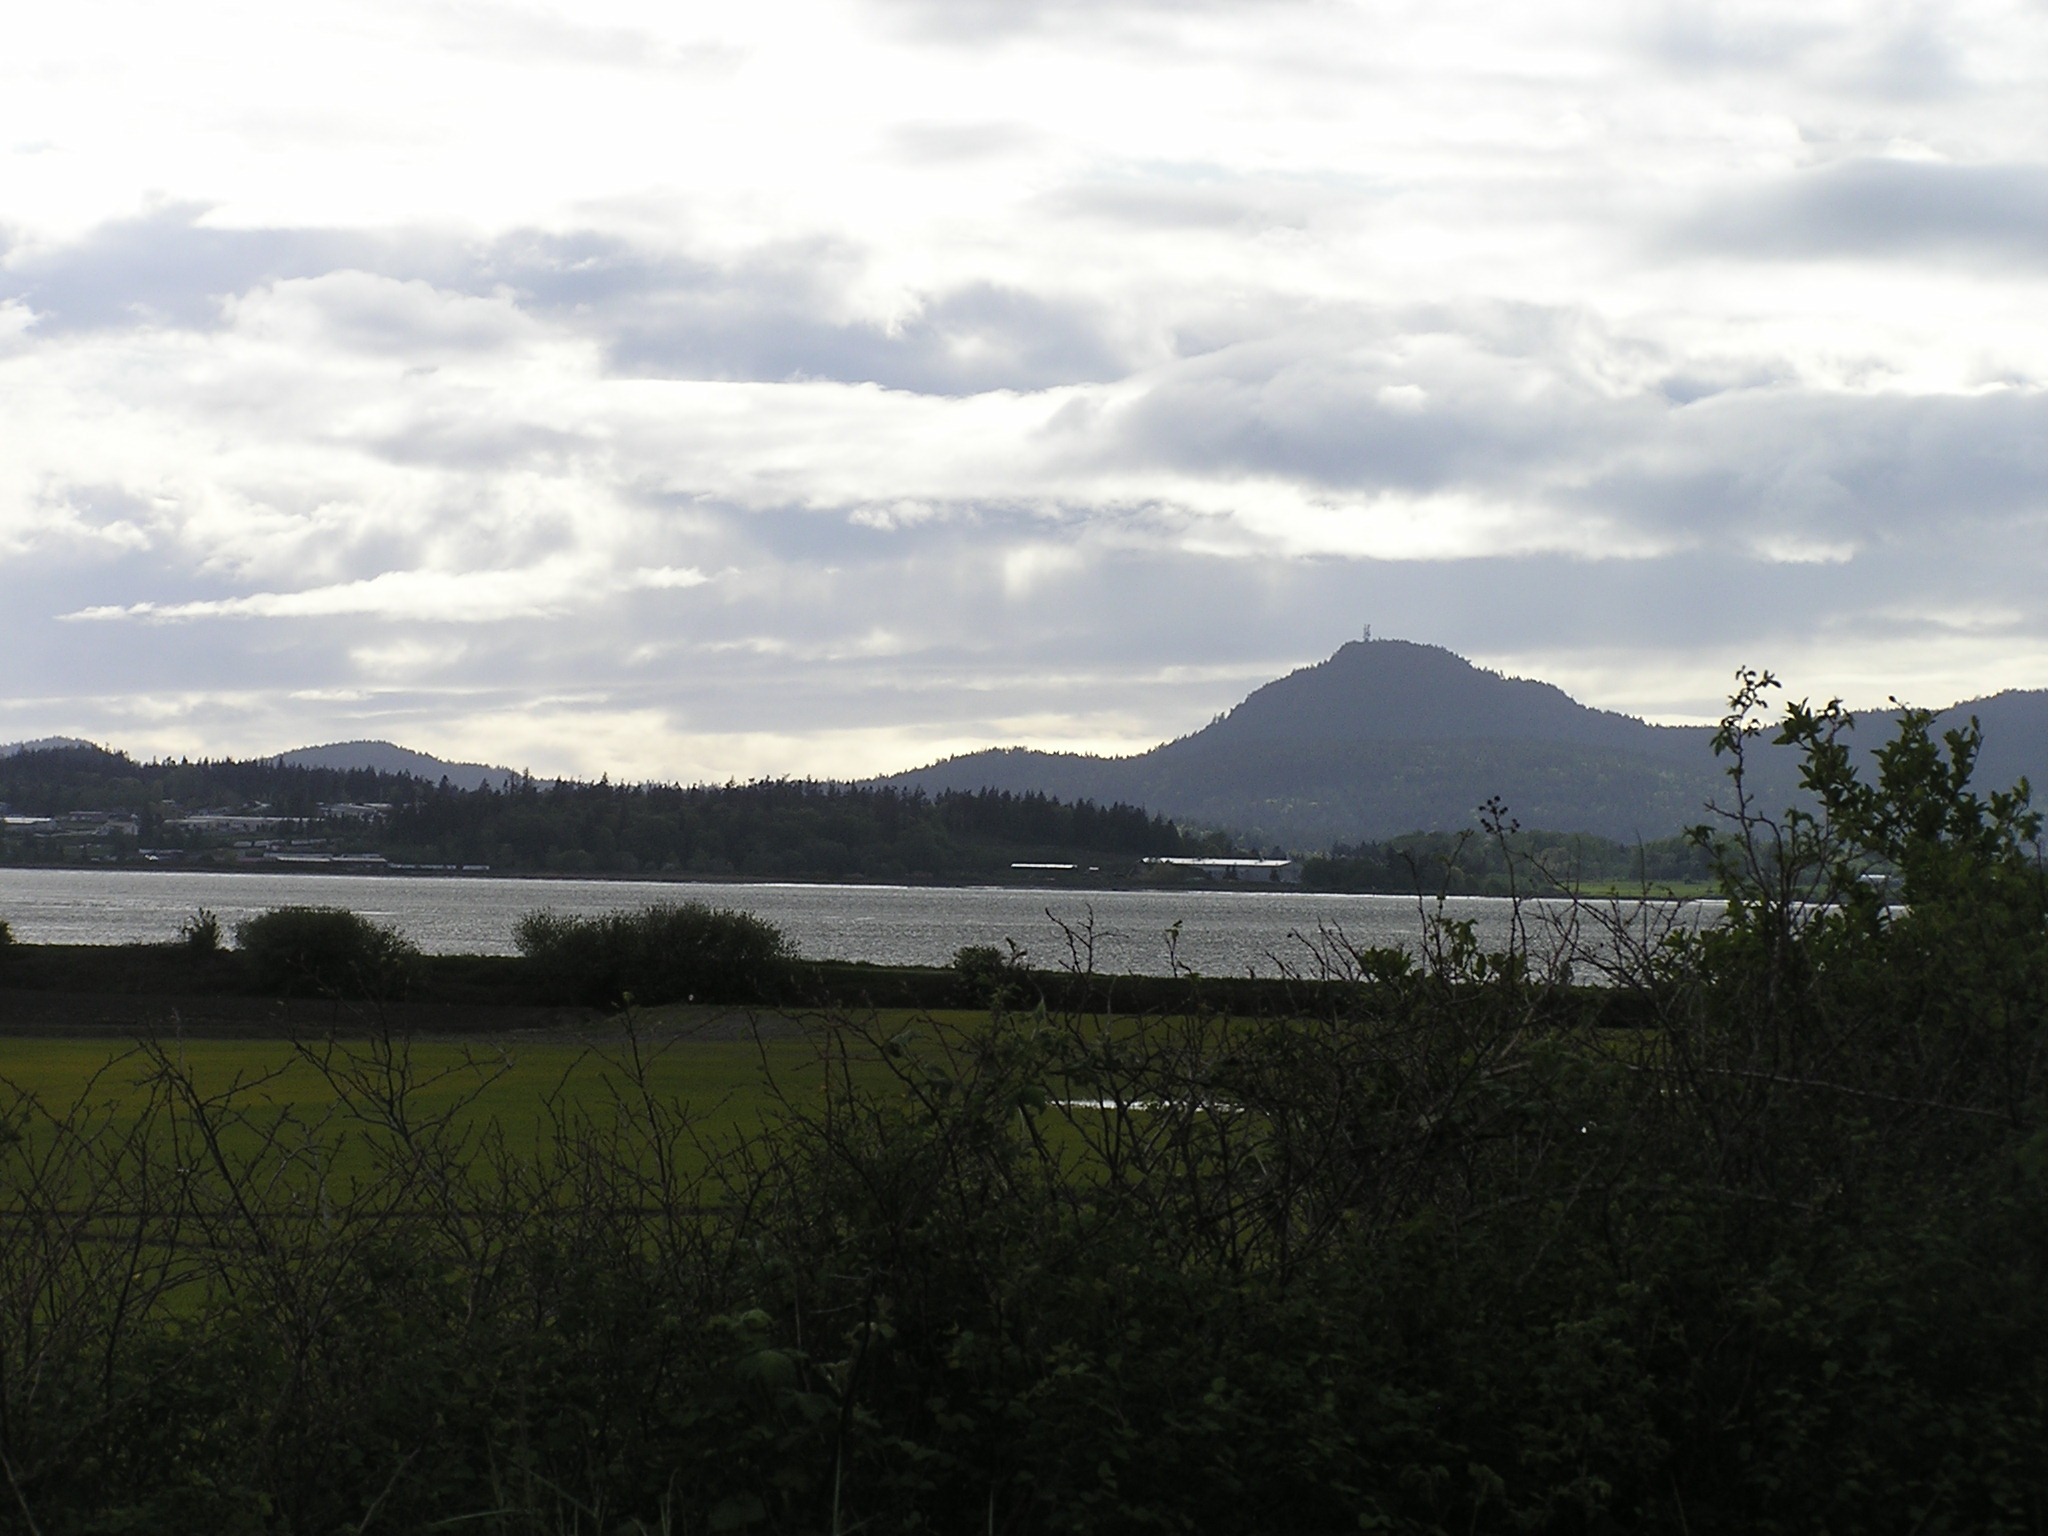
(774, 828)
(1516, 862)
(785, 827)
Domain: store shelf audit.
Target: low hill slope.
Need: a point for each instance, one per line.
(2015, 725)
(389, 757)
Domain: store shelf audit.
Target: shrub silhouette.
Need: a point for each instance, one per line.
(201, 933)
(326, 952)
(664, 953)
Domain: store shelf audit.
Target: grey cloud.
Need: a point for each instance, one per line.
(1764, 465)
(1905, 56)
(978, 21)
(166, 269)
(1881, 208)
(1706, 378)
(1837, 467)
(949, 143)
(1389, 411)
(773, 317)
(467, 442)
(1707, 37)
(967, 649)
(517, 33)
(1202, 200)
(972, 339)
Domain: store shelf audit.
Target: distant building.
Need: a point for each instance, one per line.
(1251, 871)
(357, 810)
(221, 822)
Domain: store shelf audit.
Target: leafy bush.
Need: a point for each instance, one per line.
(201, 933)
(993, 978)
(326, 952)
(664, 953)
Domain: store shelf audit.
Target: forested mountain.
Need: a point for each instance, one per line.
(1388, 737)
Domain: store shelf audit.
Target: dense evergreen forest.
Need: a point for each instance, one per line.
(772, 828)
(1511, 863)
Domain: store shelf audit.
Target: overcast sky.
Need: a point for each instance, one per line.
(816, 388)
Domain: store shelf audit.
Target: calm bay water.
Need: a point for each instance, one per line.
(1222, 932)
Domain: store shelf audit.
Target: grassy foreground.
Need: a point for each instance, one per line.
(520, 1090)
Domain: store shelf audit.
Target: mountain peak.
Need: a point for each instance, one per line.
(1401, 690)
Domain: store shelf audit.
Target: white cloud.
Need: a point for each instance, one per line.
(965, 343)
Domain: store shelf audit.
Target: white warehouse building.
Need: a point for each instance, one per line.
(1253, 871)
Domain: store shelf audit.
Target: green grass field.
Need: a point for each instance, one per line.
(523, 1088)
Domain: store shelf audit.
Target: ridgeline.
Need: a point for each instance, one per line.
(1387, 737)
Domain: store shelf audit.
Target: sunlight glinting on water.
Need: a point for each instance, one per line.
(1221, 932)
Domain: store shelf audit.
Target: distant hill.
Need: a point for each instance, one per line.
(1388, 736)
(42, 744)
(2015, 725)
(387, 757)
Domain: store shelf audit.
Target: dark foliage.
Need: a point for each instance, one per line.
(323, 952)
(201, 932)
(1510, 863)
(665, 953)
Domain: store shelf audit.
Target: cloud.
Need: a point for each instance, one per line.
(944, 143)
(971, 340)
(434, 597)
(165, 268)
(845, 375)
(1386, 407)
(1898, 54)
(771, 314)
(981, 21)
(1205, 200)
(1882, 209)
(530, 35)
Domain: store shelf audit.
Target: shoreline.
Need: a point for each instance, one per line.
(1610, 893)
